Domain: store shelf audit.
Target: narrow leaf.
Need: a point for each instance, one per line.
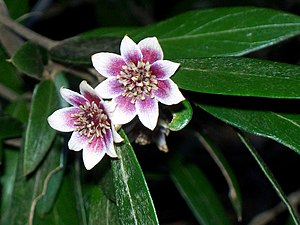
(134, 202)
(271, 178)
(39, 135)
(262, 122)
(239, 76)
(182, 114)
(18, 109)
(198, 193)
(234, 189)
(30, 59)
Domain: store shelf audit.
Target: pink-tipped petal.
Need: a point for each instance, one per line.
(72, 97)
(147, 111)
(163, 69)
(108, 64)
(62, 120)
(93, 153)
(168, 92)
(109, 143)
(88, 92)
(109, 88)
(124, 111)
(77, 141)
(151, 50)
(130, 51)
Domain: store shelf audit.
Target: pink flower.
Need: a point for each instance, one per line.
(137, 80)
(89, 119)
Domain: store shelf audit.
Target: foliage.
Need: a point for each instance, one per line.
(44, 183)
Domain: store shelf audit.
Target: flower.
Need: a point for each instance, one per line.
(137, 80)
(89, 119)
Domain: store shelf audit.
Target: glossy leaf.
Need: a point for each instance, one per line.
(239, 76)
(30, 59)
(198, 193)
(234, 193)
(39, 135)
(79, 51)
(133, 199)
(29, 190)
(217, 31)
(10, 127)
(260, 121)
(17, 8)
(182, 114)
(101, 210)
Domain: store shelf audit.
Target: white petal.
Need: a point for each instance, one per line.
(151, 50)
(168, 92)
(109, 88)
(93, 153)
(72, 97)
(77, 141)
(124, 111)
(130, 51)
(163, 69)
(109, 143)
(147, 111)
(61, 119)
(116, 136)
(88, 92)
(108, 64)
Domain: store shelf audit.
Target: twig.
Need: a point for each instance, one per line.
(7, 93)
(27, 33)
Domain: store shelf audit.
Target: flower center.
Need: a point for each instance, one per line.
(138, 81)
(91, 121)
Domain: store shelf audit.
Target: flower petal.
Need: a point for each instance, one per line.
(77, 141)
(108, 64)
(72, 97)
(124, 111)
(109, 88)
(93, 153)
(116, 136)
(61, 119)
(151, 50)
(147, 111)
(109, 143)
(168, 92)
(88, 92)
(130, 51)
(163, 69)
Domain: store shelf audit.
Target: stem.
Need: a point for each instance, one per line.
(27, 33)
(270, 177)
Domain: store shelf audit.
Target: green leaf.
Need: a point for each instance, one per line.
(18, 109)
(101, 210)
(79, 51)
(7, 180)
(230, 31)
(182, 114)
(9, 77)
(198, 193)
(271, 178)
(133, 199)
(222, 31)
(10, 127)
(239, 76)
(30, 59)
(234, 189)
(279, 126)
(29, 190)
(39, 135)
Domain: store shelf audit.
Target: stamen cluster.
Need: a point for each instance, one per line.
(137, 81)
(91, 121)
